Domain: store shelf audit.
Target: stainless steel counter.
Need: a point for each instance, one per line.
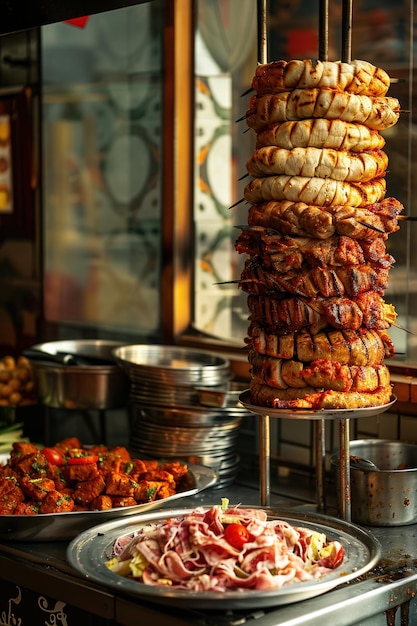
(385, 596)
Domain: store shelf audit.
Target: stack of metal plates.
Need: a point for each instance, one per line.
(200, 437)
(169, 375)
(173, 417)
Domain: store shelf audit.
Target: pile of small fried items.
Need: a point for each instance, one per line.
(317, 264)
(17, 386)
(69, 477)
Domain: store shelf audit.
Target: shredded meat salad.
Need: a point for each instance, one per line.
(223, 549)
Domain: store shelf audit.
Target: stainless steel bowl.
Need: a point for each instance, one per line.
(172, 365)
(81, 386)
(386, 496)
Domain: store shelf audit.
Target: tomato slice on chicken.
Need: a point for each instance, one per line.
(54, 456)
(82, 460)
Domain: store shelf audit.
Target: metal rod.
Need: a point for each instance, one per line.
(264, 420)
(262, 32)
(324, 30)
(347, 31)
(344, 425)
(320, 435)
(344, 470)
(264, 459)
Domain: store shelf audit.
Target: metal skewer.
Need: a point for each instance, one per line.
(264, 416)
(262, 32)
(344, 444)
(347, 31)
(344, 425)
(264, 420)
(324, 30)
(320, 425)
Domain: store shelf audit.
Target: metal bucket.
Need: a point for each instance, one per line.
(386, 496)
(81, 387)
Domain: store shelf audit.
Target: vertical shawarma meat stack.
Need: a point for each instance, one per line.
(317, 264)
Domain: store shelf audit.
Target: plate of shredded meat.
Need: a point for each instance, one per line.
(224, 556)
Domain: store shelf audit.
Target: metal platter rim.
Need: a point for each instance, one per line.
(87, 554)
(208, 360)
(190, 421)
(315, 414)
(175, 379)
(192, 409)
(216, 429)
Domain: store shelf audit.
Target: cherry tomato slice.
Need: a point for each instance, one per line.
(237, 535)
(54, 456)
(82, 460)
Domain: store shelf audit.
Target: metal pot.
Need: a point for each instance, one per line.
(386, 496)
(79, 385)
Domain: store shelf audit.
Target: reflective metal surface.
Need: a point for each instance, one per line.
(89, 552)
(321, 415)
(384, 494)
(312, 414)
(170, 365)
(60, 526)
(201, 436)
(80, 387)
(224, 396)
(168, 419)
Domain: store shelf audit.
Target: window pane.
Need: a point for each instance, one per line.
(102, 170)
(225, 58)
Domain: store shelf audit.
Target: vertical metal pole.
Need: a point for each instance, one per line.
(344, 436)
(320, 436)
(320, 427)
(324, 30)
(347, 31)
(264, 459)
(344, 470)
(264, 420)
(262, 32)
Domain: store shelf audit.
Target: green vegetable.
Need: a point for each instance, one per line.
(225, 504)
(7, 428)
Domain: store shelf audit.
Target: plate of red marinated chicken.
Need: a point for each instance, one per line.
(54, 493)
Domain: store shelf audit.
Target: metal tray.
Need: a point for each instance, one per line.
(90, 550)
(65, 526)
(314, 414)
